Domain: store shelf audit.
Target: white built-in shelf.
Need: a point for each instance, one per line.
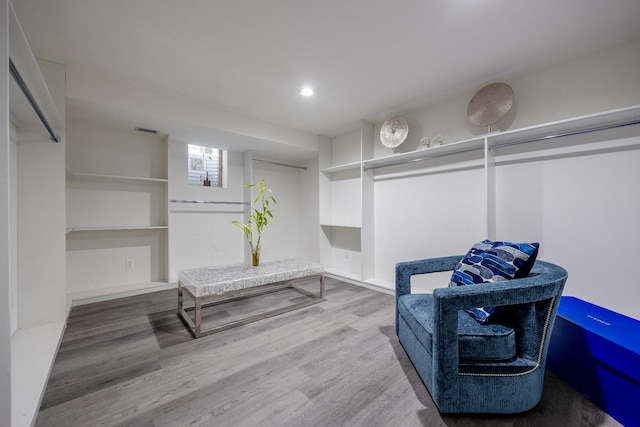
(117, 177)
(118, 228)
(325, 224)
(573, 126)
(342, 168)
(459, 147)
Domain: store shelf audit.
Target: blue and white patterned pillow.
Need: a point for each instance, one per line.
(489, 261)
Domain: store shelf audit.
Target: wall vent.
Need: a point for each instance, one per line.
(146, 130)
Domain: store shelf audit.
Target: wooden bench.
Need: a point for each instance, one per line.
(216, 285)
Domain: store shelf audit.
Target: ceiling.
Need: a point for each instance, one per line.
(366, 59)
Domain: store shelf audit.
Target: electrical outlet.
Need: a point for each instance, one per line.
(129, 263)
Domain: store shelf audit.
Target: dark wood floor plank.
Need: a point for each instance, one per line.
(132, 362)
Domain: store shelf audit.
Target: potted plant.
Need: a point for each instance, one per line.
(259, 218)
(207, 181)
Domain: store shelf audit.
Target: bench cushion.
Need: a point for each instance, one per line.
(489, 342)
(217, 280)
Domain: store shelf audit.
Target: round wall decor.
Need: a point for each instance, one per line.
(394, 131)
(490, 104)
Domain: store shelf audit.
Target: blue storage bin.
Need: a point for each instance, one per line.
(597, 352)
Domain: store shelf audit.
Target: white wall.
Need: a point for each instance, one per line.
(309, 212)
(602, 81)
(41, 215)
(573, 205)
(5, 214)
(13, 228)
(584, 210)
(202, 235)
(281, 237)
(345, 186)
(427, 216)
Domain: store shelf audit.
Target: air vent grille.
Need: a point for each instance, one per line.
(147, 130)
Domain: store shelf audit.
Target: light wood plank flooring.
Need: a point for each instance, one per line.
(131, 362)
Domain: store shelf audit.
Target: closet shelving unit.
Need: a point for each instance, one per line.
(28, 352)
(345, 194)
(562, 137)
(115, 180)
(93, 220)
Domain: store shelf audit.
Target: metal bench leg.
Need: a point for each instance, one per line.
(198, 316)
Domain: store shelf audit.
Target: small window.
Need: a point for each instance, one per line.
(206, 166)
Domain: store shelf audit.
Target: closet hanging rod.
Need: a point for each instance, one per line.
(569, 133)
(508, 144)
(280, 164)
(212, 202)
(27, 93)
(421, 159)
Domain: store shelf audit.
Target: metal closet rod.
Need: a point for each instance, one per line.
(212, 202)
(569, 133)
(27, 93)
(421, 159)
(280, 164)
(508, 144)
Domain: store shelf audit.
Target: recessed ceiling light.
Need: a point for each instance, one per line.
(306, 91)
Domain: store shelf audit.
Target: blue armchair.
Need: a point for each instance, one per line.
(472, 368)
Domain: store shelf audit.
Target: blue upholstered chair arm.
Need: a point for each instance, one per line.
(508, 292)
(404, 270)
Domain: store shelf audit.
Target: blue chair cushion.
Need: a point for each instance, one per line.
(476, 342)
(489, 261)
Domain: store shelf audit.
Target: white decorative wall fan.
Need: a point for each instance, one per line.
(393, 132)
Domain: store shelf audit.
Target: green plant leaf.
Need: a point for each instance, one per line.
(261, 213)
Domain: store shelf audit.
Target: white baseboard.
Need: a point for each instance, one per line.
(106, 294)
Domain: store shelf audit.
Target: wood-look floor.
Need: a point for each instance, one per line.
(132, 362)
